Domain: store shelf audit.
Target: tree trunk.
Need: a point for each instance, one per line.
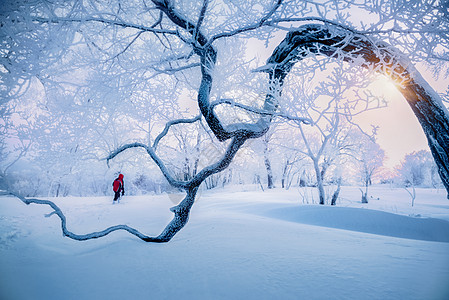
(270, 184)
(319, 182)
(355, 48)
(181, 216)
(336, 193)
(434, 120)
(364, 197)
(284, 173)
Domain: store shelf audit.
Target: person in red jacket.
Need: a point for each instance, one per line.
(118, 186)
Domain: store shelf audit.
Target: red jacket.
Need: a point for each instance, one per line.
(118, 185)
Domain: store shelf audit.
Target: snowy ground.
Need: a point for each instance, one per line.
(240, 243)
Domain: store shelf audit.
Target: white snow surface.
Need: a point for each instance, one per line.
(240, 243)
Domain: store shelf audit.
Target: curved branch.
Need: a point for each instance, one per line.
(223, 163)
(167, 7)
(180, 218)
(203, 47)
(275, 22)
(89, 236)
(262, 112)
(171, 123)
(152, 150)
(154, 157)
(315, 39)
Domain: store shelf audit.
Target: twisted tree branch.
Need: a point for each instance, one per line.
(84, 237)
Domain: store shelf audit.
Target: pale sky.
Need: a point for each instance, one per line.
(399, 130)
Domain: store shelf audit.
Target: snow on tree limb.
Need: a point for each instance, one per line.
(171, 123)
(261, 112)
(83, 237)
(153, 156)
(105, 21)
(315, 39)
(151, 151)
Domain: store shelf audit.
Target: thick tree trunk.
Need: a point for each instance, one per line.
(434, 120)
(181, 216)
(315, 39)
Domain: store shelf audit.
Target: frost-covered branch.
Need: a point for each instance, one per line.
(261, 111)
(105, 21)
(275, 23)
(174, 70)
(314, 39)
(169, 10)
(129, 45)
(236, 143)
(154, 157)
(83, 237)
(171, 123)
(201, 18)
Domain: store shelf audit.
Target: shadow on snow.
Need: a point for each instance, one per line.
(367, 221)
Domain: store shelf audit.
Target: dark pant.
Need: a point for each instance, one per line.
(116, 196)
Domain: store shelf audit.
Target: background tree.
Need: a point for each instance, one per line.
(417, 169)
(369, 158)
(329, 100)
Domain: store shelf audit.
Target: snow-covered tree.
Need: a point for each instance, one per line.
(151, 53)
(328, 99)
(369, 158)
(417, 169)
(376, 56)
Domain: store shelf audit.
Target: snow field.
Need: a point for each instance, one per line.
(240, 243)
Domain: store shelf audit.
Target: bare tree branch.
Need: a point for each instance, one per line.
(154, 157)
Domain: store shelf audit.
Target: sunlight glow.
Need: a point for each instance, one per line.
(398, 131)
(386, 86)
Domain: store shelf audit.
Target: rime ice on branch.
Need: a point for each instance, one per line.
(332, 41)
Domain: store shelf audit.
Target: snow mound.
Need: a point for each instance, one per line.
(365, 220)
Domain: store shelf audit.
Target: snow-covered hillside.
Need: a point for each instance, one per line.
(240, 243)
